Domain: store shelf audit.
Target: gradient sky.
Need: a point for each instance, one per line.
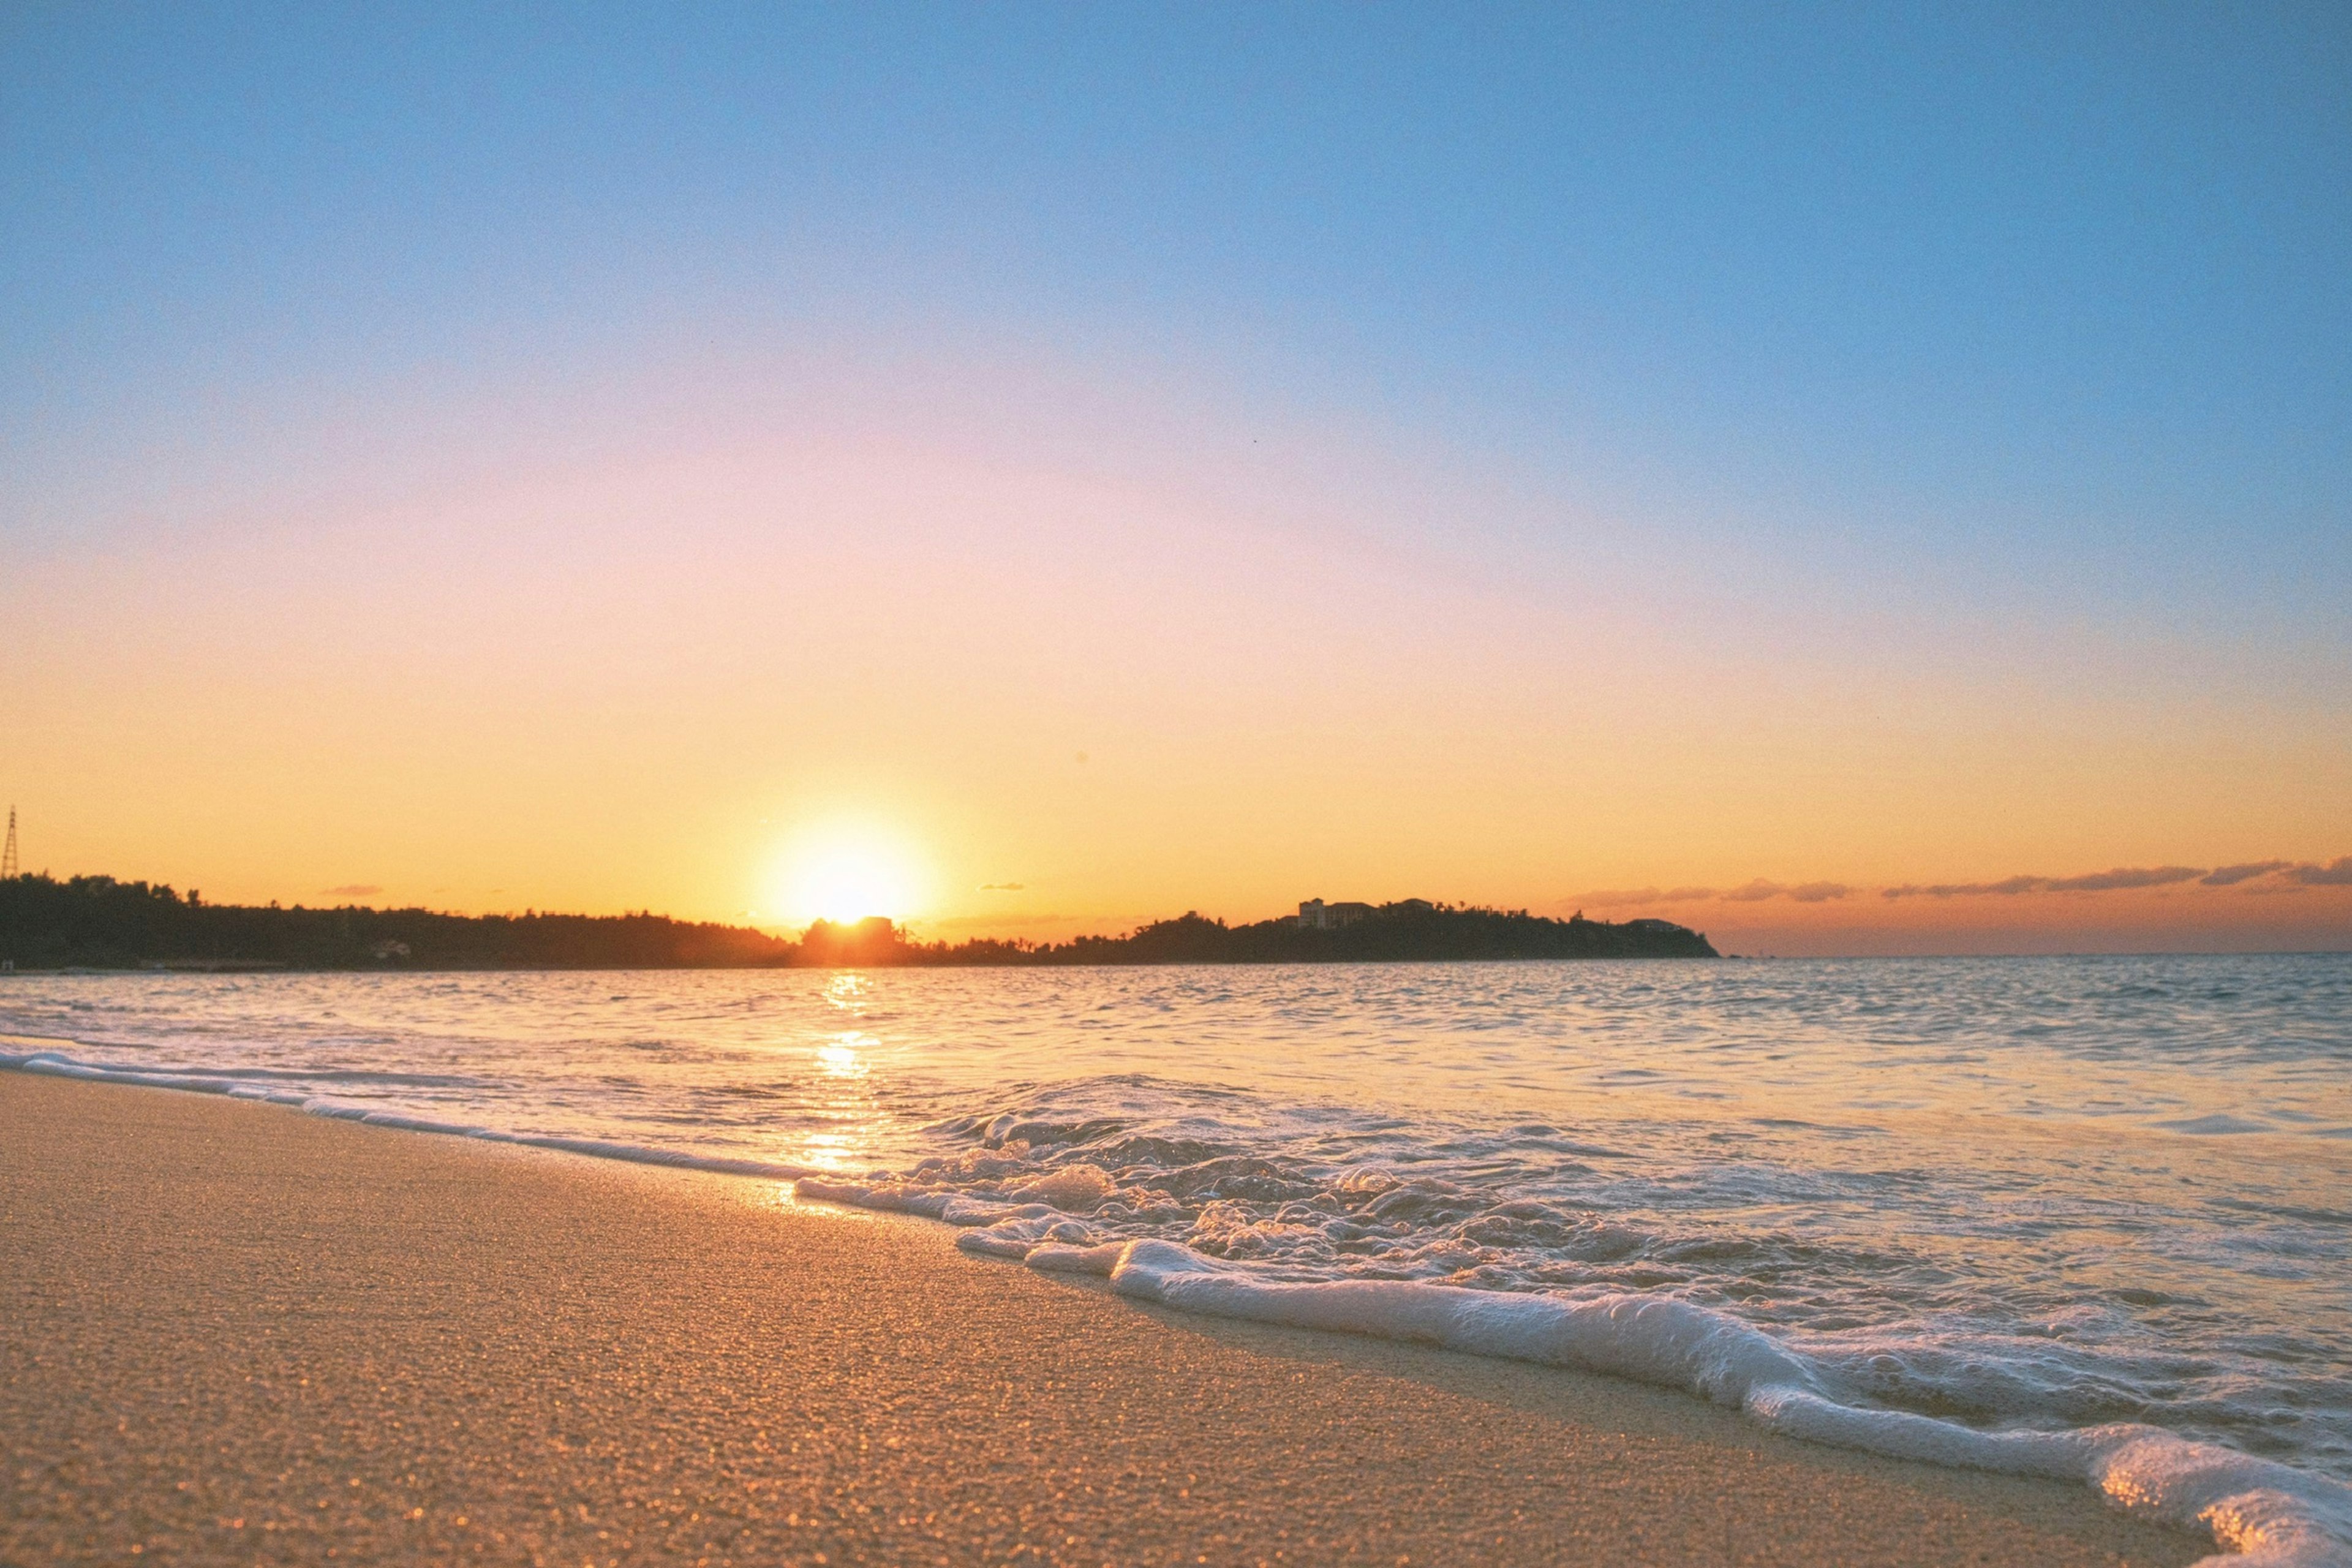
(1122, 459)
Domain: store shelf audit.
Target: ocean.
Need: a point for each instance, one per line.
(2080, 1216)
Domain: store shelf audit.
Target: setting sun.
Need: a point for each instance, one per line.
(844, 874)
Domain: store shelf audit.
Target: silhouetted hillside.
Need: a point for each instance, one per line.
(1410, 932)
(100, 923)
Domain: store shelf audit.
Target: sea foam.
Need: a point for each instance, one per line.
(2258, 1511)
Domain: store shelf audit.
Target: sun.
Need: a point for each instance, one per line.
(845, 873)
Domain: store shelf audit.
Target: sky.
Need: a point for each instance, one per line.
(1851, 479)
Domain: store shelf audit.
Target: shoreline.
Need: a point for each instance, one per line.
(176, 970)
(263, 967)
(228, 1338)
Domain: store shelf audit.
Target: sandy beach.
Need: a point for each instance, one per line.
(231, 1333)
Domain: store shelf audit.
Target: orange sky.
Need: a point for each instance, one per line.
(1077, 693)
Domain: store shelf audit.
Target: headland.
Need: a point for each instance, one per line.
(98, 922)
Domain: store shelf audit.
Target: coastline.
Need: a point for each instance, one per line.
(271, 966)
(99, 921)
(230, 1332)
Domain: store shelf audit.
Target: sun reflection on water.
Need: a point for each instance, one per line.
(836, 1153)
(842, 1055)
(852, 1125)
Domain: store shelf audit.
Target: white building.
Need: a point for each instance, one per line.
(1316, 915)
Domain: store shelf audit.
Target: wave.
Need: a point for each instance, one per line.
(1050, 1217)
(2259, 1510)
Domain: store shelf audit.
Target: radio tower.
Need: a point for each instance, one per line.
(8, 851)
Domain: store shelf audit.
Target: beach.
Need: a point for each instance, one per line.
(232, 1332)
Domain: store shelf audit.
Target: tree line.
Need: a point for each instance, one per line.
(99, 922)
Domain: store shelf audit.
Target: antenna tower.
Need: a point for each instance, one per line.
(8, 851)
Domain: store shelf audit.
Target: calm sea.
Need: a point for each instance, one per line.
(2008, 1196)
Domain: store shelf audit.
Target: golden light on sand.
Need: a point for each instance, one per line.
(849, 872)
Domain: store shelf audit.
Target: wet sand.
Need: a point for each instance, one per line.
(234, 1333)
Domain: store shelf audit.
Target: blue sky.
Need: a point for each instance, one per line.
(2039, 270)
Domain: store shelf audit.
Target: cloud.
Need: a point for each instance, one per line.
(1616, 898)
(2123, 876)
(1747, 893)
(2009, 887)
(1612, 898)
(1002, 886)
(2268, 877)
(2012, 885)
(352, 890)
(2278, 876)
(2230, 876)
(1803, 892)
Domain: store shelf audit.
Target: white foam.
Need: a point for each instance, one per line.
(2263, 1513)
(1655, 1339)
(2267, 1512)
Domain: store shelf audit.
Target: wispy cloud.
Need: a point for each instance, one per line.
(2128, 877)
(2005, 888)
(1003, 887)
(1618, 898)
(1615, 898)
(2251, 876)
(2121, 876)
(352, 890)
(2230, 876)
(1802, 892)
(1746, 893)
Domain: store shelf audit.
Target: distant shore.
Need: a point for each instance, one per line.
(100, 923)
(233, 1332)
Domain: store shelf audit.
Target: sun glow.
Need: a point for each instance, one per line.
(846, 874)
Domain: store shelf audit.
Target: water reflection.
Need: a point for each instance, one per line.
(842, 1055)
(852, 1126)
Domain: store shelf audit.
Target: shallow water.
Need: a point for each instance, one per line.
(2013, 1194)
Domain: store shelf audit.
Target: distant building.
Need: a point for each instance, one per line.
(1316, 915)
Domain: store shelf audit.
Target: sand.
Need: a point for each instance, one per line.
(230, 1334)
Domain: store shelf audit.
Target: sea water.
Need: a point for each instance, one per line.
(2083, 1216)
